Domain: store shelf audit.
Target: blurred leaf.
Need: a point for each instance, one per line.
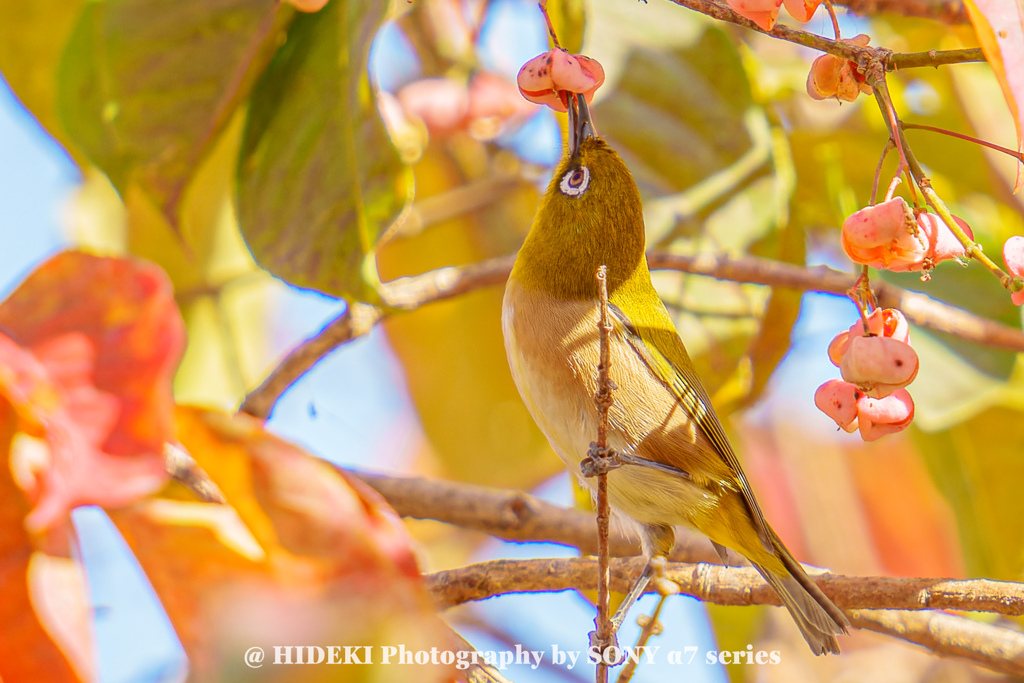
(569, 18)
(297, 552)
(92, 373)
(32, 37)
(146, 86)
(29, 651)
(318, 178)
(453, 353)
(912, 526)
(977, 467)
(1000, 28)
(677, 116)
(219, 288)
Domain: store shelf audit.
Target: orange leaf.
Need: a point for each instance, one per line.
(1000, 28)
(297, 556)
(43, 603)
(88, 348)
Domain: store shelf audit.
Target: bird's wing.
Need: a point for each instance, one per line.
(658, 346)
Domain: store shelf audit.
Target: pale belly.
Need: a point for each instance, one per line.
(553, 354)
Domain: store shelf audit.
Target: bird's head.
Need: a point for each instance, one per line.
(590, 215)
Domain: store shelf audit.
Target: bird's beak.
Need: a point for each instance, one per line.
(581, 126)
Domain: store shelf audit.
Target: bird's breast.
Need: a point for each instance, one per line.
(553, 350)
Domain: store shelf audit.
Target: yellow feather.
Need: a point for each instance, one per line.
(591, 215)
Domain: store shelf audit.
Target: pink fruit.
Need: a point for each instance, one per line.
(879, 365)
(838, 400)
(441, 103)
(761, 12)
(877, 226)
(546, 78)
(801, 10)
(832, 76)
(881, 416)
(882, 322)
(1013, 257)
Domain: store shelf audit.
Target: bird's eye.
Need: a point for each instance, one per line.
(575, 182)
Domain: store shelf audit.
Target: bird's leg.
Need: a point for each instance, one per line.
(635, 591)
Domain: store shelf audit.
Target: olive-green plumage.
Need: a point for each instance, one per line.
(591, 215)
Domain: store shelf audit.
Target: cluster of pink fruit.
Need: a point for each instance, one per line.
(876, 361)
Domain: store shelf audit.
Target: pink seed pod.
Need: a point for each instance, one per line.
(838, 400)
(880, 416)
(943, 244)
(832, 76)
(1013, 257)
(801, 10)
(874, 227)
(882, 322)
(762, 12)
(545, 78)
(879, 365)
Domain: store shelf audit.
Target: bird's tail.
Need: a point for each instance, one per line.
(818, 618)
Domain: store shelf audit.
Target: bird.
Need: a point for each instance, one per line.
(679, 466)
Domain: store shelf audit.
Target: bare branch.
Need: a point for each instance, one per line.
(723, 585)
(992, 647)
(412, 292)
(515, 516)
(896, 607)
(854, 53)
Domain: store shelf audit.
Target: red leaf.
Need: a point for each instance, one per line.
(43, 636)
(88, 348)
(298, 554)
(1000, 28)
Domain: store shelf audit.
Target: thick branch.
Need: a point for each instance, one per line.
(723, 585)
(896, 607)
(412, 292)
(514, 516)
(992, 647)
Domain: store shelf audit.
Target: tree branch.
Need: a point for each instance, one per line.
(854, 53)
(721, 585)
(515, 516)
(992, 647)
(409, 293)
(894, 606)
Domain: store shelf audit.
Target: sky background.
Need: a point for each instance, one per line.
(359, 400)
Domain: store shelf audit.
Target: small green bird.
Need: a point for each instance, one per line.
(681, 468)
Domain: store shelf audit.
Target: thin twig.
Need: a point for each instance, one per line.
(409, 293)
(599, 455)
(649, 625)
(1019, 156)
(853, 53)
(877, 82)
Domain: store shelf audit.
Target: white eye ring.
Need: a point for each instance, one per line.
(575, 182)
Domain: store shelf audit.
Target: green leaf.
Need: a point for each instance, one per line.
(32, 36)
(318, 177)
(146, 86)
(677, 116)
(977, 467)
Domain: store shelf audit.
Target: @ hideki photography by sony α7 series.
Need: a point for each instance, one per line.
(500, 341)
